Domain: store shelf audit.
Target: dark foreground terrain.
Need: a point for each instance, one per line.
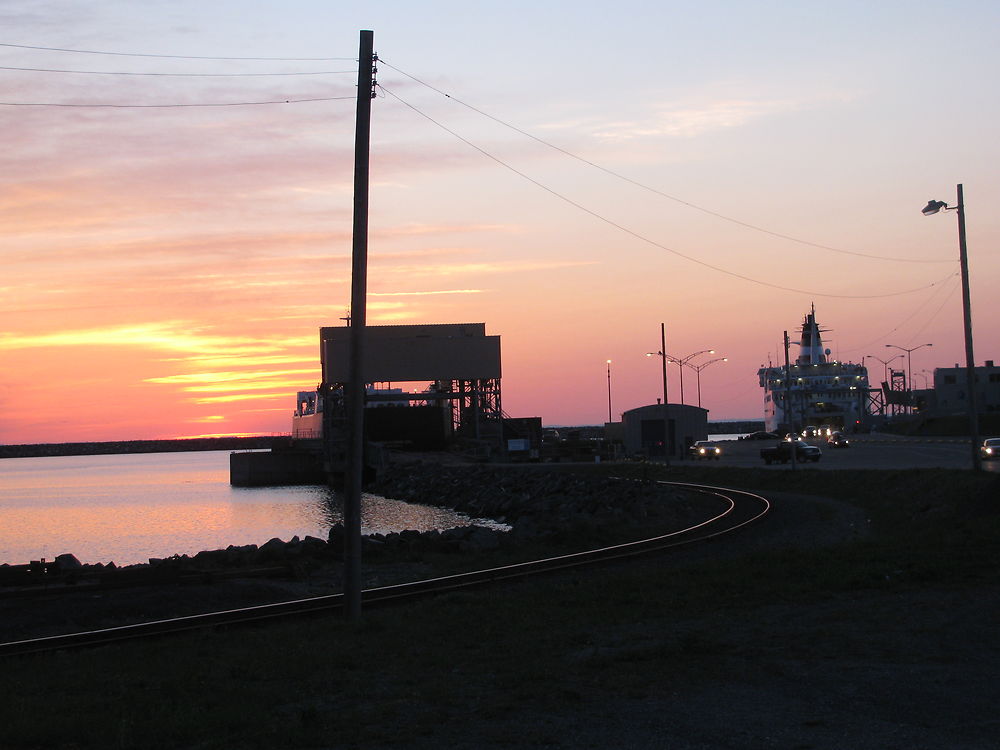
(862, 613)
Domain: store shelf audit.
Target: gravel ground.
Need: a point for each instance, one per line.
(869, 671)
(865, 671)
(851, 672)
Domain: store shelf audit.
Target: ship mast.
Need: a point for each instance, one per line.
(811, 343)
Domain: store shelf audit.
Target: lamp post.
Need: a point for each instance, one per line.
(681, 361)
(930, 209)
(662, 354)
(885, 364)
(609, 391)
(885, 373)
(909, 369)
(702, 366)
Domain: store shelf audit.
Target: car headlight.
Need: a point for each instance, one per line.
(718, 451)
(989, 451)
(701, 450)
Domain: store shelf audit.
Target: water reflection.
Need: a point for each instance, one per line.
(128, 508)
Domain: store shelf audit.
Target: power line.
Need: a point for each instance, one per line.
(912, 315)
(219, 75)
(170, 106)
(937, 312)
(629, 180)
(643, 238)
(174, 57)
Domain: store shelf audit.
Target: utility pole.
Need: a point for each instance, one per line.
(355, 388)
(788, 396)
(970, 358)
(930, 209)
(666, 409)
(609, 392)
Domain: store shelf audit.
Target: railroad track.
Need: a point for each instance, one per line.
(740, 509)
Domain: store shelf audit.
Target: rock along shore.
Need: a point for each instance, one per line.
(537, 503)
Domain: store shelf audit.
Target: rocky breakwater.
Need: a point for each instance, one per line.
(274, 557)
(541, 503)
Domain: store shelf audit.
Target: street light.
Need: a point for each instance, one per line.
(702, 366)
(930, 209)
(609, 392)
(681, 361)
(885, 364)
(909, 370)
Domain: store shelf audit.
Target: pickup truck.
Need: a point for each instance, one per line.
(782, 452)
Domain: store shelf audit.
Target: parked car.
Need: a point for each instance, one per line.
(763, 436)
(782, 451)
(837, 440)
(990, 449)
(705, 449)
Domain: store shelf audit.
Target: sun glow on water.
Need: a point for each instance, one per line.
(129, 508)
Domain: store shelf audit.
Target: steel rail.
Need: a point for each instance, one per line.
(742, 508)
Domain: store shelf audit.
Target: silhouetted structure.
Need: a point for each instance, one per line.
(452, 370)
(643, 432)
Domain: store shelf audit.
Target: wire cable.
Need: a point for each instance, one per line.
(192, 75)
(174, 57)
(912, 315)
(171, 106)
(645, 239)
(937, 312)
(629, 180)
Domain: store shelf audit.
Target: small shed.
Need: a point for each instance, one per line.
(645, 433)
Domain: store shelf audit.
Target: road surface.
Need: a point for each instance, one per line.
(864, 452)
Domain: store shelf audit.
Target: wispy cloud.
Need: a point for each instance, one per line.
(289, 386)
(213, 360)
(201, 378)
(513, 266)
(167, 335)
(425, 294)
(234, 397)
(690, 121)
(417, 230)
(198, 349)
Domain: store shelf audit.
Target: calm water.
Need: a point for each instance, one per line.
(727, 436)
(128, 508)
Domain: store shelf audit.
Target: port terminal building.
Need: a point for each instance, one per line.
(427, 386)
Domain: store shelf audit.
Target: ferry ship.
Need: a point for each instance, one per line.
(816, 391)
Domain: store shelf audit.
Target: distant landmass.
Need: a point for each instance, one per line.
(261, 442)
(141, 446)
(734, 427)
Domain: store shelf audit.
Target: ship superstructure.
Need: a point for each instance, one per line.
(816, 390)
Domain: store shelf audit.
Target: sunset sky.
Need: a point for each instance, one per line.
(571, 174)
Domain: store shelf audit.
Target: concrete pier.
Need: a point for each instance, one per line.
(275, 468)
